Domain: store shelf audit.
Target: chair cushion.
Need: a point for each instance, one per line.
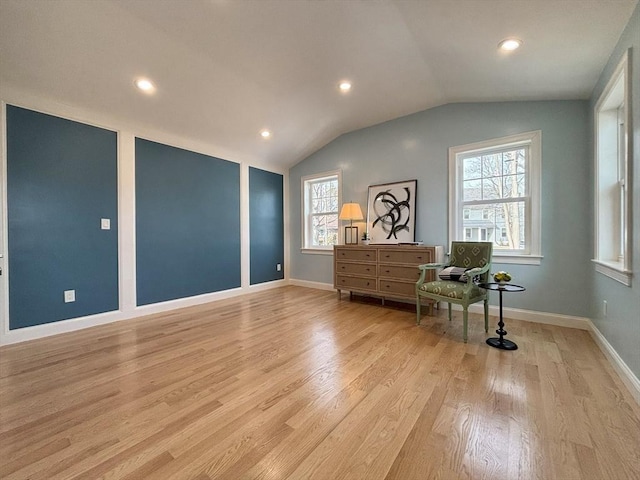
(470, 255)
(450, 289)
(455, 274)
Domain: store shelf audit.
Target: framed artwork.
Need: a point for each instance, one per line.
(391, 212)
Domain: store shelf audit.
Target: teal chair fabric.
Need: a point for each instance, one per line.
(474, 256)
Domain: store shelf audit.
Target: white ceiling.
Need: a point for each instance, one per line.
(225, 69)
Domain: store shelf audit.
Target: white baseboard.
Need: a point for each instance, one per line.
(621, 368)
(80, 323)
(259, 287)
(308, 284)
(556, 319)
(63, 326)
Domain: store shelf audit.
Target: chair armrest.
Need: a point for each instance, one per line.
(424, 268)
(476, 271)
(431, 266)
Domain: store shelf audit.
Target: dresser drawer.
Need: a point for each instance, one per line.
(402, 289)
(357, 283)
(399, 271)
(415, 257)
(356, 269)
(359, 254)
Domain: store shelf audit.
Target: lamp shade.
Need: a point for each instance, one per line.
(351, 211)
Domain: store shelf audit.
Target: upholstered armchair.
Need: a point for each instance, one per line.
(474, 260)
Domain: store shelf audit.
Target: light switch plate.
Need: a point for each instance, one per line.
(69, 296)
(105, 224)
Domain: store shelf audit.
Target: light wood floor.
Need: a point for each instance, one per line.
(295, 384)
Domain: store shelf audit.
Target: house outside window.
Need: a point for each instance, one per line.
(495, 188)
(612, 234)
(321, 201)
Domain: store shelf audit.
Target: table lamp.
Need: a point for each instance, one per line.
(351, 212)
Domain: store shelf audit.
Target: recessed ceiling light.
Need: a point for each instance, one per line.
(265, 133)
(510, 44)
(344, 86)
(145, 85)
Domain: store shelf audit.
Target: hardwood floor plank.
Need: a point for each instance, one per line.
(295, 383)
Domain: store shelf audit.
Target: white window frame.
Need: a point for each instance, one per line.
(612, 235)
(533, 140)
(305, 209)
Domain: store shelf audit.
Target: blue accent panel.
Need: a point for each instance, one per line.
(187, 223)
(266, 225)
(62, 178)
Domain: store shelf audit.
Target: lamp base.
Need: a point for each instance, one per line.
(350, 235)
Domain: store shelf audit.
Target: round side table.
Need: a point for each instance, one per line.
(501, 342)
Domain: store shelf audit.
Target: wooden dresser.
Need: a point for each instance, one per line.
(386, 271)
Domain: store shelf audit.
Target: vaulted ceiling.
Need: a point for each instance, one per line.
(226, 69)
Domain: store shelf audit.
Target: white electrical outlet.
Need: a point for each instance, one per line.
(604, 308)
(105, 223)
(279, 267)
(69, 296)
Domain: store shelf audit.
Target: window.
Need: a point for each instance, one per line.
(498, 183)
(612, 124)
(320, 207)
(468, 234)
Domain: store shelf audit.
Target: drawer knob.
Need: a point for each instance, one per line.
(419, 258)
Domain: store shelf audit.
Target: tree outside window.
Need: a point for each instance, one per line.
(321, 203)
(495, 187)
(494, 192)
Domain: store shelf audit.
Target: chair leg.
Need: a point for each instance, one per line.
(486, 315)
(465, 320)
(418, 310)
(449, 305)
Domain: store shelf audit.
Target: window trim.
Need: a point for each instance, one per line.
(620, 270)
(533, 140)
(303, 220)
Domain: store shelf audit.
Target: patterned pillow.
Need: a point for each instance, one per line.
(455, 274)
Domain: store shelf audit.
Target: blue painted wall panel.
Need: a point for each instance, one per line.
(266, 225)
(61, 180)
(187, 223)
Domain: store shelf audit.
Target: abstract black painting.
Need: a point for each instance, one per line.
(391, 212)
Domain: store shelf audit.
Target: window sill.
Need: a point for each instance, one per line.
(317, 251)
(614, 270)
(517, 259)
